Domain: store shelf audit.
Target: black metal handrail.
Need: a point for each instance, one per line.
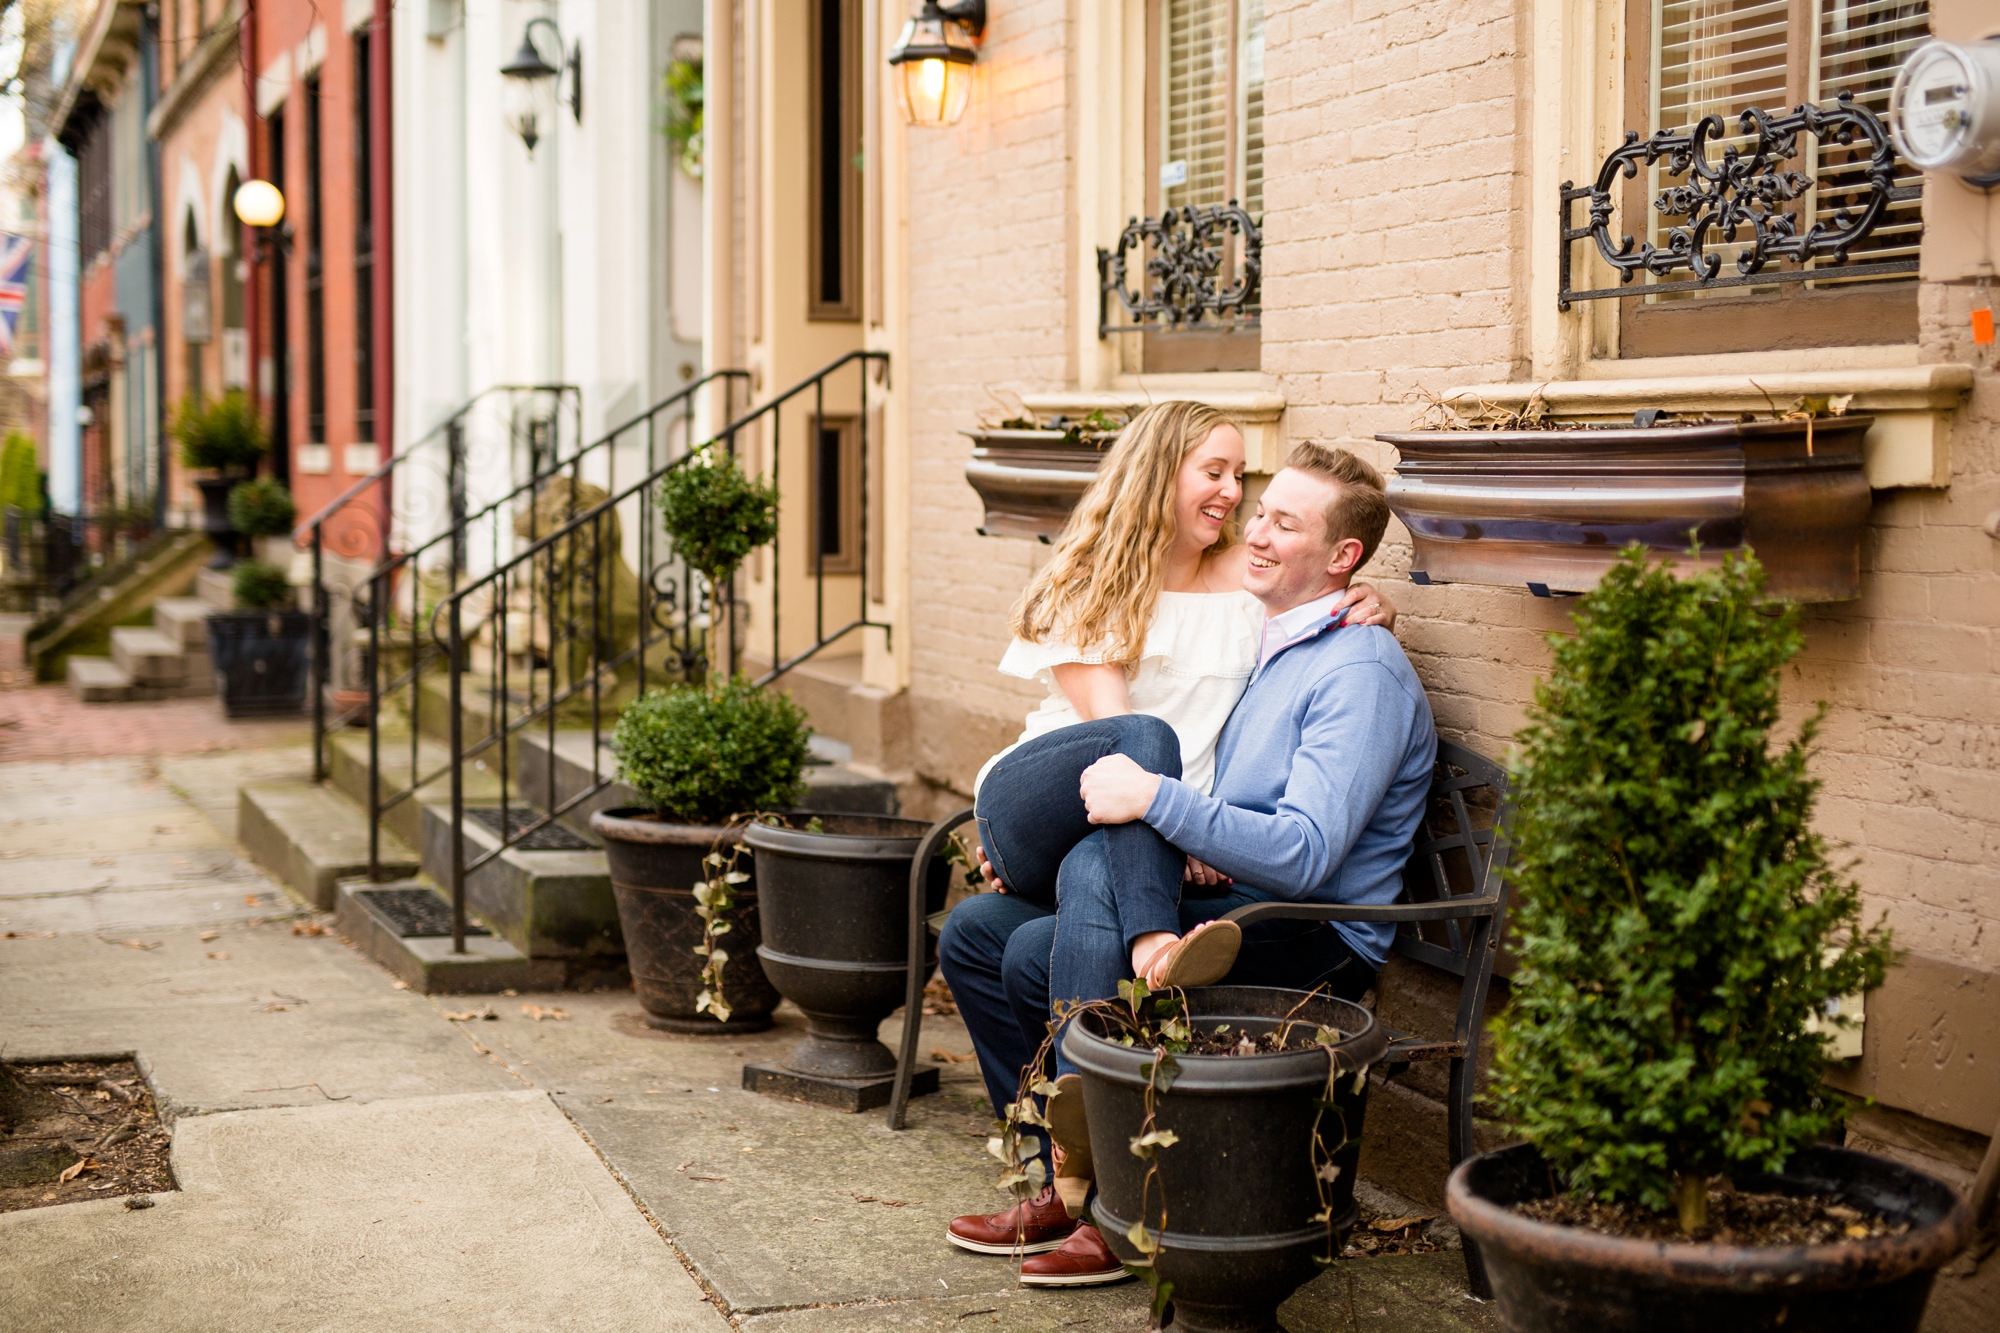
(368, 528)
(651, 430)
(565, 582)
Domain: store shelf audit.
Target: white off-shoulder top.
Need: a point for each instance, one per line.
(1199, 654)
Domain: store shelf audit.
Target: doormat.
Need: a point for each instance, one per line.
(414, 914)
(548, 838)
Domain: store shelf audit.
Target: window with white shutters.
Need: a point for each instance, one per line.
(1696, 58)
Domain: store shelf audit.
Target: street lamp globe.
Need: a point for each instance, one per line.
(259, 204)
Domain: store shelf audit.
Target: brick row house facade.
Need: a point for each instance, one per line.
(1405, 164)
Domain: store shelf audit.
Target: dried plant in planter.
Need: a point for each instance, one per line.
(1678, 922)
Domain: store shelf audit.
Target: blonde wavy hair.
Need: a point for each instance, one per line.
(1111, 559)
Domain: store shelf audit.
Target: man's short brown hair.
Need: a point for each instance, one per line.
(1360, 506)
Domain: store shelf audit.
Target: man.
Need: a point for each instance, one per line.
(1321, 774)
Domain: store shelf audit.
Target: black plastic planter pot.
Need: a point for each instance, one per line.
(1554, 1279)
(215, 522)
(262, 660)
(655, 865)
(836, 907)
(1239, 1185)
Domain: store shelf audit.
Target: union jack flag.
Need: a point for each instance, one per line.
(15, 254)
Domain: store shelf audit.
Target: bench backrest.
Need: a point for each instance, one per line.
(1459, 852)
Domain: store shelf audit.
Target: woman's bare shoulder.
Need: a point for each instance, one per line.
(1223, 571)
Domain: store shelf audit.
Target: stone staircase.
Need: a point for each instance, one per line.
(167, 661)
(551, 913)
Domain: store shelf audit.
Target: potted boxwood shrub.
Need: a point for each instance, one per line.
(261, 508)
(261, 650)
(704, 758)
(1678, 924)
(227, 438)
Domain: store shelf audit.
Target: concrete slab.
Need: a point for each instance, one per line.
(211, 782)
(311, 837)
(112, 912)
(131, 870)
(274, 1020)
(446, 1213)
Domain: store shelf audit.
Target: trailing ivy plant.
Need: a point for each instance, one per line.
(1678, 922)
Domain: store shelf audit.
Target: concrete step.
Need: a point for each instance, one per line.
(347, 771)
(98, 680)
(548, 904)
(216, 588)
(184, 620)
(426, 964)
(148, 656)
(830, 785)
(310, 837)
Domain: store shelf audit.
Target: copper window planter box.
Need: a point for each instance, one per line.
(1029, 480)
(1552, 509)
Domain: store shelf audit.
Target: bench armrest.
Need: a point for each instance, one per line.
(1456, 908)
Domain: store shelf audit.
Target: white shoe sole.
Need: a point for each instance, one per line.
(981, 1247)
(1074, 1279)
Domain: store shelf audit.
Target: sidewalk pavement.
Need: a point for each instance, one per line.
(350, 1156)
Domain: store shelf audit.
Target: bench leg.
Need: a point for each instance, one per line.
(1458, 1129)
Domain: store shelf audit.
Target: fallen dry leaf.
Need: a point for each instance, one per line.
(1857, 1231)
(218, 955)
(249, 900)
(1398, 1223)
(694, 1177)
(134, 944)
(104, 860)
(944, 1057)
(75, 1169)
(207, 935)
(538, 1013)
(28, 934)
(308, 928)
(484, 1011)
(399, 985)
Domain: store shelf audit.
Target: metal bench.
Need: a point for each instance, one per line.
(1449, 915)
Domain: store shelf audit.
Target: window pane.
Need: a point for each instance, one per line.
(1253, 107)
(1194, 158)
(1861, 44)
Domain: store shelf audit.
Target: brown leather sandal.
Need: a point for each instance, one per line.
(1202, 958)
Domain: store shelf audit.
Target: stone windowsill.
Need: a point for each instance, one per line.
(1913, 405)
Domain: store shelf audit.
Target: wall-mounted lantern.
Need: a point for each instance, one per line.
(533, 83)
(933, 61)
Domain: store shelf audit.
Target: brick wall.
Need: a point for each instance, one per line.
(988, 278)
(1396, 161)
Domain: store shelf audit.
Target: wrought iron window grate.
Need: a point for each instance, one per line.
(1740, 201)
(1187, 277)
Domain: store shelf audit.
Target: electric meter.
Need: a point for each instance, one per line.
(1945, 109)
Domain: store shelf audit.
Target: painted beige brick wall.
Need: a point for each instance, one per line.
(1395, 234)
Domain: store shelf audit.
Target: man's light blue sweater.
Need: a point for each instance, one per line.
(1320, 779)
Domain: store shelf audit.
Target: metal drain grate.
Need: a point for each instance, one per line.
(549, 838)
(414, 913)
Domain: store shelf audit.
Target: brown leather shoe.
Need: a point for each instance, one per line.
(1027, 1228)
(1083, 1261)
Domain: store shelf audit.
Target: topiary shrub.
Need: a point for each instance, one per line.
(261, 508)
(701, 755)
(225, 435)
(260, 585)
(715, 514)
(20, 475)
(1677, 920)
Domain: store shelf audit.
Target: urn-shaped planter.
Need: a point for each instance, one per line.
(1239, 1187)
(836, 902)
(1555, 1279)
(1552, 509)
(262, 660)
(655, 865)
(215, 522)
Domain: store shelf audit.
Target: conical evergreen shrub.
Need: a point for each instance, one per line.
(1677, 919)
